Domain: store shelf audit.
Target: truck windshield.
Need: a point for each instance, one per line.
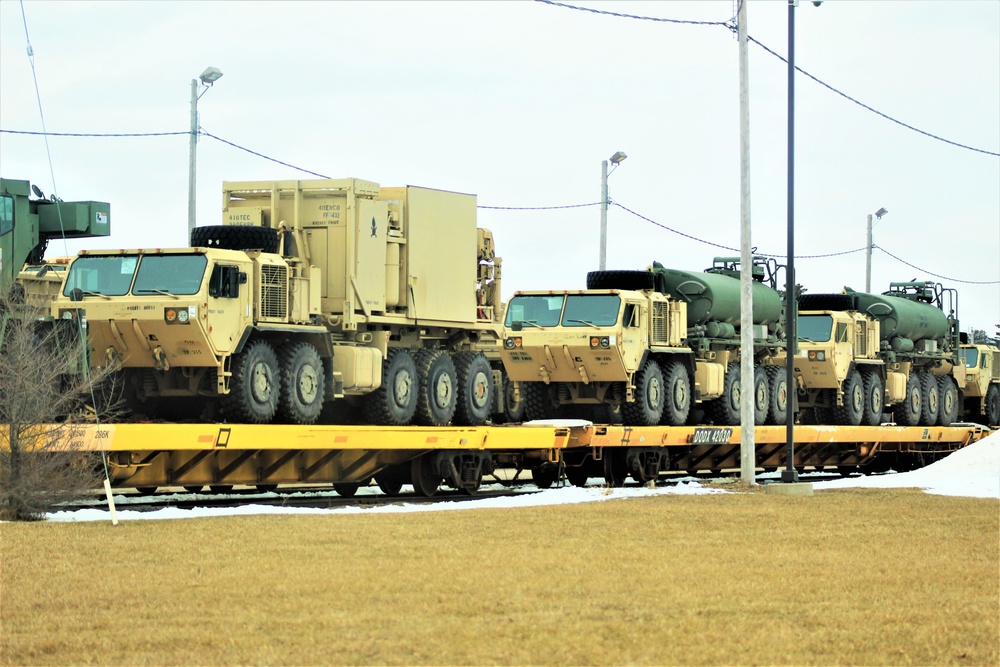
(593, 310)
(816, 328)
(535, 310)
(176, 274)
(156, 274)
(971, 355)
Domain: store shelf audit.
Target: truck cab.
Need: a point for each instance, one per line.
(982, 383)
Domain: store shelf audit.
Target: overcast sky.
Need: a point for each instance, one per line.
(518, 102)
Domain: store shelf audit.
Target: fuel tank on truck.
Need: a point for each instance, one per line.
(913, 316)
(715, 297)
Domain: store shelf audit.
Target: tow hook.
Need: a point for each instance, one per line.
(160, 359)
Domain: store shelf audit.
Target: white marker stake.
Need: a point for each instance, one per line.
(111, 501)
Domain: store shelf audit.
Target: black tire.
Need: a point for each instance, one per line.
(194, 489)
(851, 412)
(302, 384)
(605, 413)
(513, 410)
(235, 237)
(474, 401)
(647, 408)
(537, 401)
(545, 475)
(255, 385)
(761, 395)
(777, 394)
(221, 488)
(395, 402)
(725, 410)
(632, 280)
(874, 393)
(948, 401)
(436, 391)
(578, 475)
(425, 481)
(993, 405)
(676, 393)
(929, 400)
(907, 412)
(390, 482)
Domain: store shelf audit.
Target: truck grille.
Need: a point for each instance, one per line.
(661, 324)
(274, 292)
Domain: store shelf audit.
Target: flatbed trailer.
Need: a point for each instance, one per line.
(152, 455)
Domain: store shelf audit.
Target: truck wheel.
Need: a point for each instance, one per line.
(631, 280)
(929, 400)
(436, 392)
(761, 395)
(725, 410)
(993, 405)
(677, 393)
(851, 412)
(777, 394)
(475, 389)
(395, 401)
(235, 237)
(537, 402)
(874, 395)
(255, 385)
(947, 400)
(513, 410)
(647, 408)
(302, 384)
(907, 412)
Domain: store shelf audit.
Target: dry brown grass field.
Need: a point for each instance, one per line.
(853, 577)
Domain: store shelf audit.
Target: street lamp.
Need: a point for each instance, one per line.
(616, 159)
(207, 78)
(868, 255)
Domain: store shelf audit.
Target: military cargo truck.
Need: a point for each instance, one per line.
(861, 355)
(982, 383)
(648, 344)
(310, 292)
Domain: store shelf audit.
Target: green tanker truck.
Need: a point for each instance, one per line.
(862, 355)
(648, 345)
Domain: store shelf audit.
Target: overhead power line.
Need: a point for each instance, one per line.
(96, 134)
(937, 275)
(538, 208)
(731, 25)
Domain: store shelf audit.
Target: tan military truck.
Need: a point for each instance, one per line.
(648, 345)
(982, 383)
(861, 355)
(312, 295)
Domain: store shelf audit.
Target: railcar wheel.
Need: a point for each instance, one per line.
(993, 405)
(267, 488)
(255, 385)
(578, 475)
(389, 484)
(948, 404)
(436, 397)
(851, 412)
(615, 470)
(475, 389)
(647, 408)
(193, 489)
(907, 412)
(761, 395)
(302, 384)
(929, 400)
(146, 490)
(425, 480)
(346, 489)
(538, 403)
(395, 402)
(725, 410)
(220, 488)
(545, 475)
(677, 393)
(874, 394)
(777, 394)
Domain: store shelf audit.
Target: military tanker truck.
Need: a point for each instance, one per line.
(981, 388)
(310, 292)
(648, 344)
(861, 355)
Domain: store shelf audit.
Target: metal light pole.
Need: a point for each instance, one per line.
(207, 78)
(868, 250)
(791, 335)
(748, 442)
(616, 159)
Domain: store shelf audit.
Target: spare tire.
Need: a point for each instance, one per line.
(633, 280)
(235, 237)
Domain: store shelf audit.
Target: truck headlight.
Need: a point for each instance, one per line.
(182, 316)
(511, 343)
(817, 355)
(602, 342)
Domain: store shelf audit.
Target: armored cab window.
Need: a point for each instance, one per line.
(96, 274)
(591, 310)
(631, 316)
(172, 274)
(816, 328)
(225, 282)
(534, 310)
(6, 214)
(972, 357)
(842, 332)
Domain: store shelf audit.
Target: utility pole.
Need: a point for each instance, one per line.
(748, 442)
(868, 250)
(207, 78)
(616, 160)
